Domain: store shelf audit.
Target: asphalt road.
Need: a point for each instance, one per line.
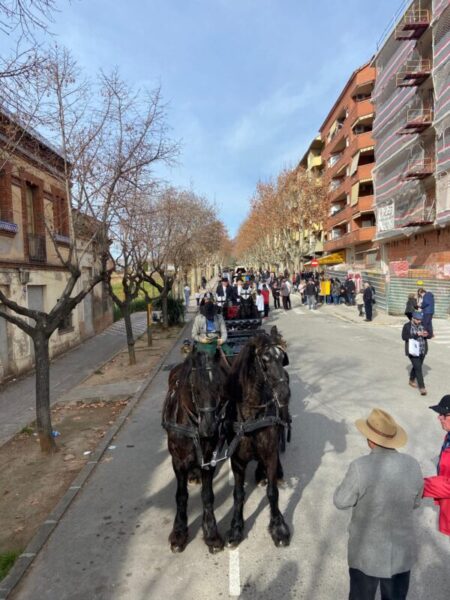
(112, 543)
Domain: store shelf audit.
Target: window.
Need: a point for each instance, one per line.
(6, 213)
(29, 203)
(60, 216)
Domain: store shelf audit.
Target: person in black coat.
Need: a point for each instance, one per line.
(368, 301)
(416, 347)
(227, 291)
(350, 289)
(411, 306)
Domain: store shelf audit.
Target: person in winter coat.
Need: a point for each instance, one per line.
(382, 489)
(368, 301)
(276, 295)
(310, 293)
(360, 303)
(350, 289)
(411, 306)
(265, 294)
(427, 307)
(416, 348)
(438, 486)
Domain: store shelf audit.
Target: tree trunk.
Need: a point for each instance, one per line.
(130, 338)
(43, 415)
(149, 306)
(165, 311)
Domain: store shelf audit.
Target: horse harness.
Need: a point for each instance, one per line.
(240, 428)
(244, 427)
(192, 429)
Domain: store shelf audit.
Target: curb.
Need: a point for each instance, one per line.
(45, 530)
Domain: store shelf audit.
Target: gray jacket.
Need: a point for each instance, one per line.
(199, 328)
(382, 488)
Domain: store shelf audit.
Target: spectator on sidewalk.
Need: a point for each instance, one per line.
(427, 307)
(187, 295)
(411, 306)
(285, 292)
(416, 348)
(368, 301)
(382, 488)
(350, 290)
(335, 290)
(438, 486)
(276, 294)
(310, 292)
(260, 303)
(265, 294)
(360, 303)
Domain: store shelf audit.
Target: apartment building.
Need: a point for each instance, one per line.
(348, 155)
(33, 201)
(412, 147)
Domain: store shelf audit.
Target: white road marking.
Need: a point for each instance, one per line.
(234, 574)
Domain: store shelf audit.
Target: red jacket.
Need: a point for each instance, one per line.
(438, 487)
(265, 294)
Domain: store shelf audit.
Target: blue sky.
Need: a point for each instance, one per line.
(247, 82)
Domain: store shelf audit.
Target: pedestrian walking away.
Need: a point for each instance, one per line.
(368, 301)
(416, 347)
(382, 488)
(276, 295)
(438, 486)
(427, 307)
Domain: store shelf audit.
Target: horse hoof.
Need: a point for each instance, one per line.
(281, 535)
(177, 549)
(262, 483)
(178, 542)
(234, 538)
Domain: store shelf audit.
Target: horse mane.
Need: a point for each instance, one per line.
(242, 371)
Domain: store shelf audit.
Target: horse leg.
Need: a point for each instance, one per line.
(277, 527)
(179, 535)
(260, 474)
(235, 534)
(210, 532)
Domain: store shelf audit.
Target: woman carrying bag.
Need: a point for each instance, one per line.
(416, 348)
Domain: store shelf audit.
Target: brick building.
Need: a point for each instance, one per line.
(348, 155)
(33, 202)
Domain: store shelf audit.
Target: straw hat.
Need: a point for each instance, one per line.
(381, 428)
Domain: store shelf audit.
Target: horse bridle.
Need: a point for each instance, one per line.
(192, 430)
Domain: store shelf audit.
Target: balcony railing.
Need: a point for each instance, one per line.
(417, 120)
(36, 248)
(334, 159)
(419, 168)
(413, 72)
(413, 25)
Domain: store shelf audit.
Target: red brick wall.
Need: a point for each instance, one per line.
(422, 249)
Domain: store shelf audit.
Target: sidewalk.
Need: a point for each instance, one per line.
(17, 398)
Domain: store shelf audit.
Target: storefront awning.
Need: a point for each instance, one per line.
(329, 259)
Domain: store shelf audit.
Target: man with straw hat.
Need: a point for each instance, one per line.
(382, 488)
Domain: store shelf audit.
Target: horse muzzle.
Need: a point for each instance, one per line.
(208, 423)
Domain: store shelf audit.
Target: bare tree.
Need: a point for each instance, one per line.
(183, 228)
(108, 137)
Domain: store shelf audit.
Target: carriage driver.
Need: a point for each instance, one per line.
(209, 329)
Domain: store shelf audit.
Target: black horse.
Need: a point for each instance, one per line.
(258, 411)
(193, 415)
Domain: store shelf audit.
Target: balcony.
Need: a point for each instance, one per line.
(315, 162)
(419, 168)
(361, 235)
(417, 120)
(37, 251)
(336, 244)
(413, 72)
(361, 141)
(413, 25)
(340, 217)
(364, 205)
(361, 109)
(364, 172)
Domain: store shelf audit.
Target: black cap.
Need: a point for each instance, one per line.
(443, 408)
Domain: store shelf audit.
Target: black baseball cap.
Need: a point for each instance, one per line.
(443, 408)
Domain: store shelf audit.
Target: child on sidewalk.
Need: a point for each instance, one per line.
(360, 303)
